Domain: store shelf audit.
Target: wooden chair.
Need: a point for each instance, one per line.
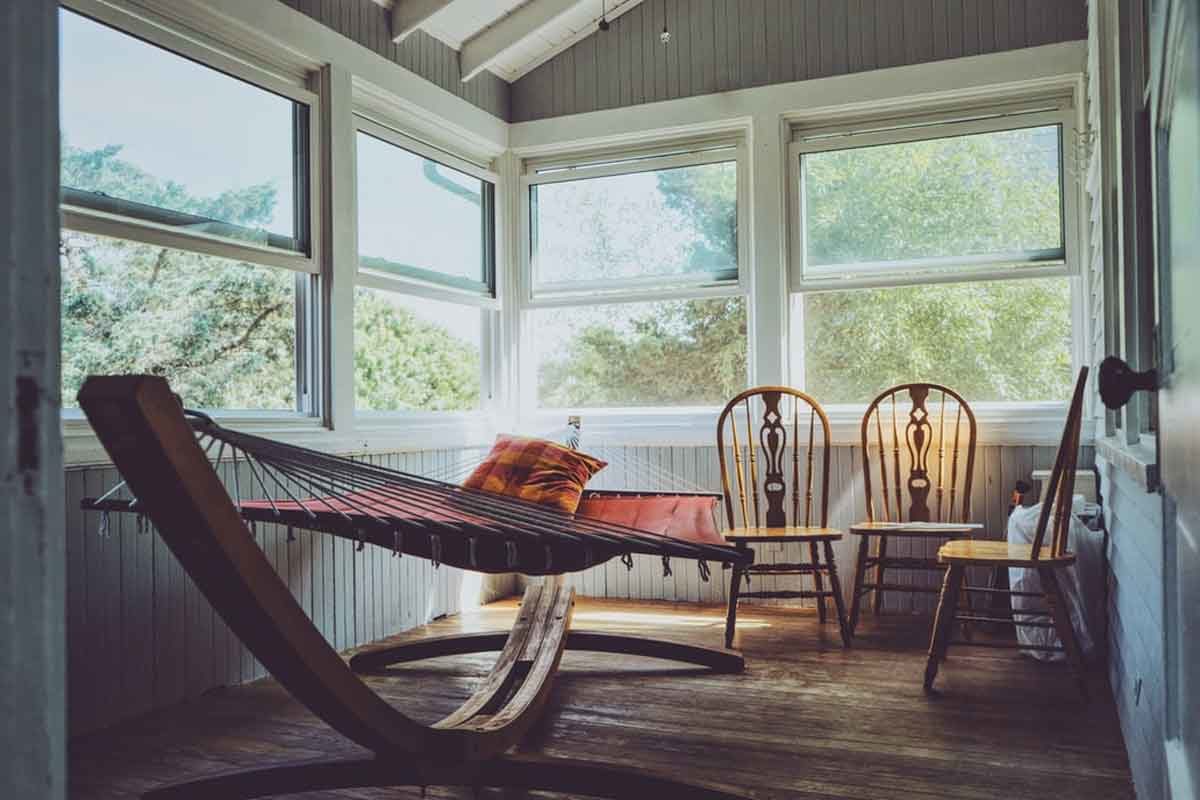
(762, 520)
(937, 507)
(1048, 560)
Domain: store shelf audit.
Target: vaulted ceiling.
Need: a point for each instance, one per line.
(506, 37)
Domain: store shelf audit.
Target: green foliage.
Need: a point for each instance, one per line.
(404, 363)
(221, 331)
(681, 353)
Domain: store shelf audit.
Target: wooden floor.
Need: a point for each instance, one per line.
(806, 719)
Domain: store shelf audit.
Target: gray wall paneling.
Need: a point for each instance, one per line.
(367, 23)
(722, 45)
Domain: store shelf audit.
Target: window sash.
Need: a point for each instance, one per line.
(939, 269)
(124, 219)
(578, 167)
(417, 276)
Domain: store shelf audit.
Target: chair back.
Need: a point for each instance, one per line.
(904, 424)
(755, 432)
(1056, 508)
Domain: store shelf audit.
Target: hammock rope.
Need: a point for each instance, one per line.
(368, 502)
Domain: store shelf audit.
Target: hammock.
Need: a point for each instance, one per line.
(448, 524)
(158, 452)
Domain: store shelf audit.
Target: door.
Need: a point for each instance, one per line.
(1175, 52)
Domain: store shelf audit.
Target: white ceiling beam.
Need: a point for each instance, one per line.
(489, 44)
(409, 15)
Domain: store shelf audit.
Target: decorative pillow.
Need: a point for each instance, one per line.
(535, 470)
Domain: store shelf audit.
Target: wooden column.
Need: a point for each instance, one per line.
(32, 553)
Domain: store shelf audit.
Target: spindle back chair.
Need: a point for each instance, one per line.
(902, 431)
(755, 432)
(1048, 559)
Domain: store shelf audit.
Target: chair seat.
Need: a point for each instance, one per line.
(999, 554)
(921, 530)
(789, 533)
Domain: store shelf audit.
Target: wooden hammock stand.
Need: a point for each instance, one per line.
(140, 423)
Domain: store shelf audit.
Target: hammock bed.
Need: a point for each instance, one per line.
(164, 458)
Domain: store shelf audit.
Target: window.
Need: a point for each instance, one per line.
(425, 305)
(199, 151)
(186, 219)
(935, 251)
(419, 218)
(222, 332)
(633, 295)
(674, 224)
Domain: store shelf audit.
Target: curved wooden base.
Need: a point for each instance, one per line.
(520, 772)
(714, 658)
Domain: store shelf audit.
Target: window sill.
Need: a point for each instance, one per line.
(998, 424)
(1138, 461)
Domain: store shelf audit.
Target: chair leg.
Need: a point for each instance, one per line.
(860, 574)
(877, 597)
(735, 586)
(836, 587)
(1060, 613)
(818, 581)
(939, 642)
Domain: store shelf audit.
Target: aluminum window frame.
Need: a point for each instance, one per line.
(102, 222)
(310, 325)
(428, 284)
(1062, 261)
(629, 158)
(424, 282)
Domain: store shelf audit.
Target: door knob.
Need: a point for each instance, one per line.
(1118, 382)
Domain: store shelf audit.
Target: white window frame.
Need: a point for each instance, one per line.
(1002, 420)
(293, 85)
(368, 120)
(951, 269)
(633, 157)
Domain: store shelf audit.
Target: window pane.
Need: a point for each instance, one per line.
(419, 218)
(987, 193)
(151, 134)
(412, 354)
(990, 341)
(674, 222)
(668, 353)
(222, 332)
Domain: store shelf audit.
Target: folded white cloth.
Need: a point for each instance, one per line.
(1082, 583)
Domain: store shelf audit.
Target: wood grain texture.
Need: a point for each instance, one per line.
(801, 723)
(722, 45)
(366, 23)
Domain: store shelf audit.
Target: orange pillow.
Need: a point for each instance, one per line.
(535, 470)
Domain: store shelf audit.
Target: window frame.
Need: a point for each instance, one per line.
(632, 160)
(644, 155)
(924, 124)
(422, 280)
(305, 265)
(114, 225)
(484, 296)
(924, 127)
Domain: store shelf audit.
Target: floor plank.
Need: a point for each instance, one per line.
(806, 719)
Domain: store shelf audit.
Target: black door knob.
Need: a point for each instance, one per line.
(1118, 382)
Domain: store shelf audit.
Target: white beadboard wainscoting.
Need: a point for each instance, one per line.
(142, 637)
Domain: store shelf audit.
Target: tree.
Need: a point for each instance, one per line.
(223, 332)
